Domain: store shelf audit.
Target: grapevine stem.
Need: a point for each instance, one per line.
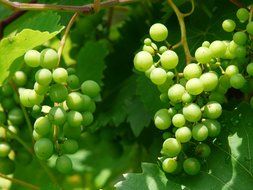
(20, 182)
(191, 11)
(84, 9)
(180, 17)
(64, 37)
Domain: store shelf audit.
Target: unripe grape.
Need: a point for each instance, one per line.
(158, 76)
(8, 103)
(232, 47)
(241, 52)
(171, 147)
(183, 134)
(191, 166)
(209, 80)
(147, 41)
(158, 32)
(64, 164)
(170, 75)
(250, 69)
(32, 58)
(5, 149)
(20, 78)
(36, 111)
(169, 59)
(75, 101)
(162, 49)
(58, 93)
(12, 131)
(7, 166)
(60, 75)
(7, 90)
(203, 55)
(148, 72)
(16, 116)
(202, 150)
(73, 82)
(228, 25)
(192, 112)
(187, 98)
(212, 110)
(36, 136)
(40, 89)
(74, 118)
(87, 118)
(200, 132)
(57, 115)
(72, 132)
(29, 98)
(194, 86)
(242, 14)
(42, 126)
(218, 48)
(178, 120)
(231, 70)
(149, 49)
(192, 70)
(249, 28)
(237, 81)
(169, 165)
(224, 80)
(205, 44)
(69, 146)
(162, 119)
(43, 77)
(143, 61)
(176, 92)
(49, 59)
(172, 111)
(90, 88)
(213, 127)
(43, 148)
(240, 38)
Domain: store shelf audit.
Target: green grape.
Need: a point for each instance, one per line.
(191, 166)
(8, 103)
(194, 86)
(212, 110)
(164, 97)
(241, 52)
(143, 61)
(183, 134)
(42, 126)
(72, 132)
(218, 48)
(64, 164)
(43, 148)
(250, 69)
(158, 32)
(232, 47)
(73, 82)
(32, 58)
(91, 106)
(158, 76)
(87, 118)
(49, 59)
(162, 49)
(231, 70)
(58, 93)
(7, 90)
(57, 115)
(251, 102)
(217, 96)
(147, 41)
(3, 118)
(187, 98)
(242, 14)
(192, 70)
(43, 77)
(71, 71)
(176, 92)
(228, 25)
(148, 72)
(209, 80)
(170, 75)
(205, 44)
(19, 78)
(40, 89)
(213, 127)
(36, 111)
(162, 119)
(90, 88)
(149, 49)
(169, 165)
(192, 112)
(237, 81)
(178, 120)
(169, 59)
(69, 146)
(74, 118)
(172, 111)
(16, 116)
(75, 101)
(249, 28)
(36, 136)
(224, 80)
(171, 147)
(5, 149)
(240, 38)
(12, 132)
(60, 75)
(200, 132)
(7, 166)
(202, 150)
(203, 55)
(29, 98)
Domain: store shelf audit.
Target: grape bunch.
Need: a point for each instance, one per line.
(60, 105)
(194, 96)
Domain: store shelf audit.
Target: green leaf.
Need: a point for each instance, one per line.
(91, 61)
(12, 48)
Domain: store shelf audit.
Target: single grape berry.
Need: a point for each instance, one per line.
(213, 127)
(194, 86)
(44, 148)
(74, 118)
(143, 61)
(191, 166)
(237, 81)
(60, 75)
(16, 116)
(212, 110)
(87, 118)
(228, 25)
(249, 28)
(231, 70)
(205, 44)
(240, 38)
(192, 70)
(178, 120)
(250, 69)
(202, 150)
(158, 32)
(19, 78)
(64, 164)
(69, 146)
(40, 89)
(90, 88)
(218, 48)
(75, 101)
(73, 82)
(7, 90)
(169, 59)
(171, 147)
(176, 92)
(43, 77)
(72, 132)
(209, 80)
(58, 93)
(242, 14)
(57, 115)
(32, 58)
(42, 126)
(187, 98)
(49, 59)
(158, 76)
(183, 134)
(169, 165)
(162, 119)
(5, 149)
(200, 132)
(203, 55)
(192, 112)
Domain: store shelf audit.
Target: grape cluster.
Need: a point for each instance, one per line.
(194, 96)
(61, 106)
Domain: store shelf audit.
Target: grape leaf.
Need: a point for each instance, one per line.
(228, 167)
(91, 61)
(12, 48)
